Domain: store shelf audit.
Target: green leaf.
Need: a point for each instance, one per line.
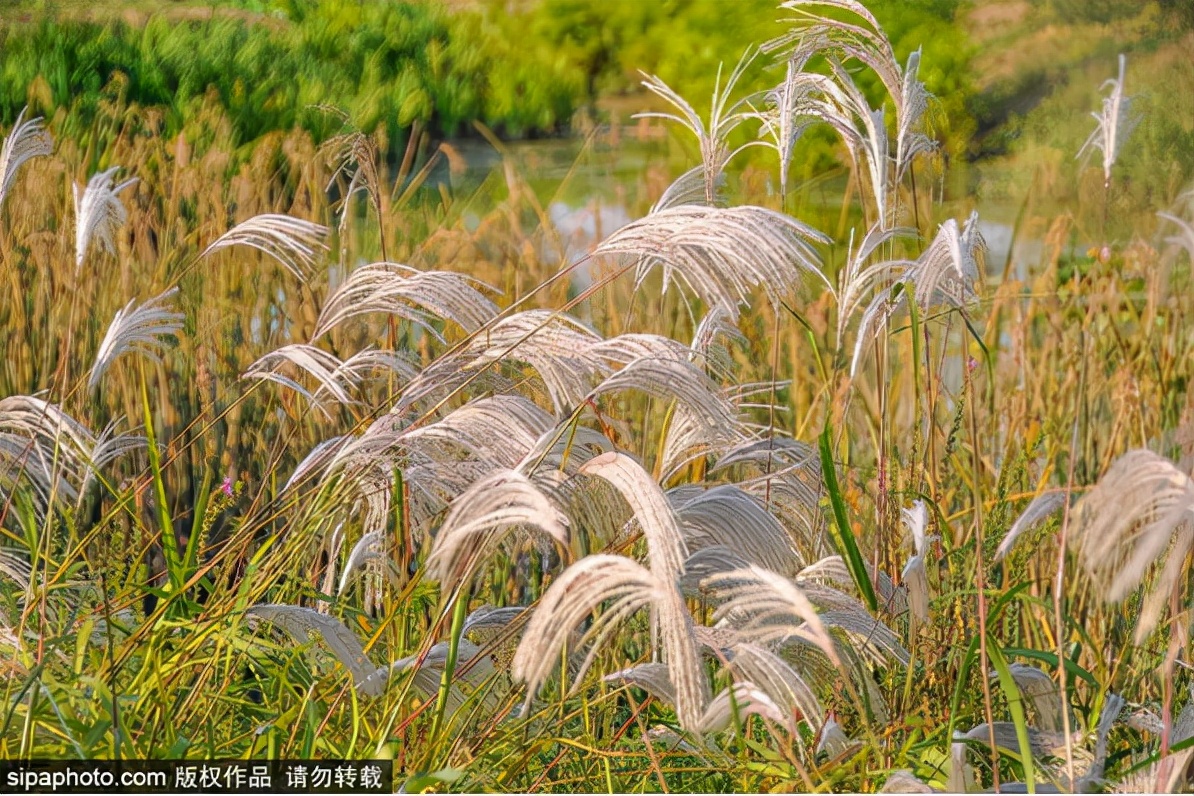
(1015, 705)
(847, 547)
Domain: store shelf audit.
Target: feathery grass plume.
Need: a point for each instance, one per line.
(705, 563)
(474, 670)
(742, 698)
(725, 516)
(558, 347)
(15, 567)
(368, 548)
(654, 678)
(136, 329)
(673, 380)
(1113, 705)
(1139, 513)
(666, 547)
(787, 117)
(772, 607)
(1040, 509)
(720, 254)
(628, 587)
(302, 623)
(1113, 125)
(833, 741)
(408, 293)
(26, 140)
(315, 460)
(787, 688)
(1184, 239)
(325, 368)
(904, 781)
(857, 280)
(107, 448)
(914, 575)
(1120, 541)
(484, 516)
(712, 338)
(99, 213)
(1038, 688)
(501, 430)
(945, 273)
(293, 242)
(711, 137)
(498, 630)
(862, 39)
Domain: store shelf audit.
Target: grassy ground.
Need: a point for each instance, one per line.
(494, 449)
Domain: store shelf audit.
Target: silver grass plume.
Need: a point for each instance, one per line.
(483, 516)
(302, 623)
(293, 242)
(474, 670)
(1113, 125)
(628, 587)
(666, 547)
(742, 698)
(136, 329)
(26, 140)
(771, 608)
(99, 213)
(410, 294)
(843, 105)
(914, 574)
(1043, 506)
(946, 273)
(368, 548)
(904, 781)
(711, 136)
(1038, 688)
(673, 380)
(1139, 513)
(786, 117)
(720, 254)
(725, 516)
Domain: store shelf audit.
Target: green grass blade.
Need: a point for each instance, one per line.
(1015, 705)
(846, 544)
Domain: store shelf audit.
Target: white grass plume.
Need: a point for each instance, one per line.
(774, 608)
(673, 380)
(99, 213)
(368, 548)
(1038, 688)
(666, 547)
(720, 254)
(1139, 513)
(627, 587)
(711, 135)
(302, 623)
(136, 329)
(914, 575)
(325, 368)
(946, 273)
(1113, 124)
(726, 516)
(1036, 512)
(483, 516)
(26, 140)
(407, 293)
(293, 242)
